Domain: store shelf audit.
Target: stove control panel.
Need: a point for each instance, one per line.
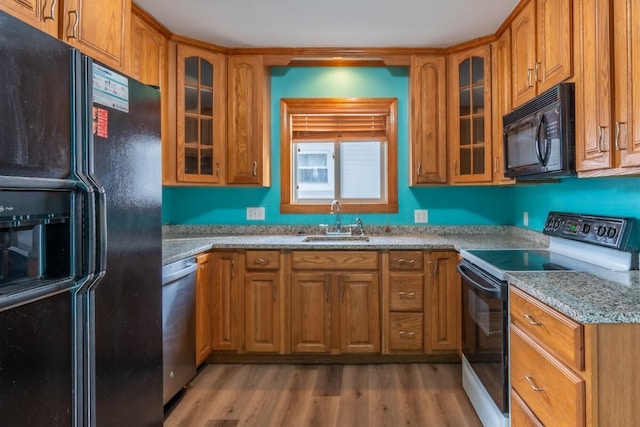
(612, 232)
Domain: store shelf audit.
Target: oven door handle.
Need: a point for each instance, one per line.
(493, 290)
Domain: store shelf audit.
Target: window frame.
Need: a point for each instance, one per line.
(289, 106)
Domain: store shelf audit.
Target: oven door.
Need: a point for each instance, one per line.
(484, 330)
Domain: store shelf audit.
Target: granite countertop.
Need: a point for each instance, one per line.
(178, 243)
(587, 297)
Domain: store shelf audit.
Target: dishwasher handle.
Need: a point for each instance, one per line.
(177, 275)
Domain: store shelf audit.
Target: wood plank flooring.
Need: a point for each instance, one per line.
(324, 396)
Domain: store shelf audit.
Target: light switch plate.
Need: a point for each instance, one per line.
(420, 216)
(525, 218)
(255, 214)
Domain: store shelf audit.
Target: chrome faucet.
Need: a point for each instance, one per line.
(360, 226)
(335, 209)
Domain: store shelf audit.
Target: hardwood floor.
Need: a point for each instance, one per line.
(324, 396)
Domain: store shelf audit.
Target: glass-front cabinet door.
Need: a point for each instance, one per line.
(200, 116)
(470, 116)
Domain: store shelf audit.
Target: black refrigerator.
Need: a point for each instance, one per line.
(80, 238)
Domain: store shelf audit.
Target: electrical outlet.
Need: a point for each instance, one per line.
(420, 216)
(255, 214)
(525, 218)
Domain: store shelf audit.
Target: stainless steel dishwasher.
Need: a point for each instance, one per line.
(178, 326)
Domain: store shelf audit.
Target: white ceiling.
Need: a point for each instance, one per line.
(331, 23)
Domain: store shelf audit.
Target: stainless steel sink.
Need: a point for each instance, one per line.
(336, 238)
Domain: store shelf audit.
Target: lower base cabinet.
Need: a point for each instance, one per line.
(204, 335)
(329, 302)
(565, 373)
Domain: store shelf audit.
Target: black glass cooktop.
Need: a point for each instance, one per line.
(527, 260)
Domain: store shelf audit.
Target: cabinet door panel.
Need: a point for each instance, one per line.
(359, 313)
(42, 14)
(148, 53)
(226, 293)
(428, 121)
(555, 43)
(443, 302)
(501, 58)
(99, 29)
(204, 316)
(262, 312)
(310, 313)
(523, 54)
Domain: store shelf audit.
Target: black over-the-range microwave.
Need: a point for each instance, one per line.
(539, 139)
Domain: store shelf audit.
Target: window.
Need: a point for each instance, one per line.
(342, 149)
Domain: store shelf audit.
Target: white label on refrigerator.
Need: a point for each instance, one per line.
(110, 88)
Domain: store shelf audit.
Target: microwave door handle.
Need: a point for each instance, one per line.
(543, 159)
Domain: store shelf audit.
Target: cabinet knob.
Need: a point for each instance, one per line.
(419, 168)
(538, 66)
(405, 261)
(261, 261)
(255, 168)
(601, 138)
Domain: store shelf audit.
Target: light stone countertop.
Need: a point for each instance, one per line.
(587, 297)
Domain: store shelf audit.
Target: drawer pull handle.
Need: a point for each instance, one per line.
(405, 334)
(531, 320)
(533, 384)
(404, 294)
(261, 261)
(404, 261)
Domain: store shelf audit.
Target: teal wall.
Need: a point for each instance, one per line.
(447, 205)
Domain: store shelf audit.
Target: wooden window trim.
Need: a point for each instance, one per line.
(289, 106)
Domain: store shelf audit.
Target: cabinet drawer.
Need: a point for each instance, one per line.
(405, 331)
(406, 292)
(262, 260)
(554, 393)
(334, 260)
(557, 333)
(521, 415)
(406, 260)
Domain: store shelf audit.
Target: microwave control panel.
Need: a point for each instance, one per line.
(611, 232)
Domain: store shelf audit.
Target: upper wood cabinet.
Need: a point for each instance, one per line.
(501, 66)
(428, 126)
(542, 47)
(248, 121)
(607, 87)
(99, 29)
(200, 117)
(148, 51)
(42, 14)
(470, 116)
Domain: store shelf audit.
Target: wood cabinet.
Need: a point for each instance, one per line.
(607, 88)
(248, 121)
(263, 302)
(542, 47)
(428, 126)
(99, 29)
(204, 289)
(334, 302)
(227, 301)
(501, 66)
(470, 116)
(199, 153)
(404, 301)
(442, 307)
(42, 14)
(148, 50)
(567, 373)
